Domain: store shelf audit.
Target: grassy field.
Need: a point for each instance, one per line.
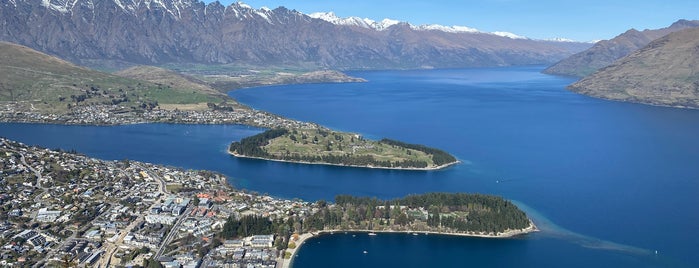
(313, 142)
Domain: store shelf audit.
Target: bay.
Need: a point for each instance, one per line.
(609, 183)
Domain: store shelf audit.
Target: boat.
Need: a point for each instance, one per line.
(365, 252)
(414, 233)
(372, 234)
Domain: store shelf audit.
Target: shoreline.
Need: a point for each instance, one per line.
(305, 236)
(342, 165)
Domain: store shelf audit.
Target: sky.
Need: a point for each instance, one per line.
(580, 20)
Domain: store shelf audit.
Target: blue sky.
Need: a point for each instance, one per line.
(581, 20)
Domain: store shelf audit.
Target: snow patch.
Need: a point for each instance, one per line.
(60, 6)
(437, 27)
(509, 35)
(118, 2)
(243, 5)
(560, 39)
(262, 14)
(354, 21)
(385, 24)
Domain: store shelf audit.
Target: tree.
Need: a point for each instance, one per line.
(151, 263)
(67, 261)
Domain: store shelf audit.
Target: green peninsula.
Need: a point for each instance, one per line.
(322, 146)
(445, 213)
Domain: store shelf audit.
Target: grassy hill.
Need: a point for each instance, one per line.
(176, 81)
(49, 84)
(665, 72)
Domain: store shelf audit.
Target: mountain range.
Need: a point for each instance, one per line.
(156, 32)
(664, 72)
(606, 52)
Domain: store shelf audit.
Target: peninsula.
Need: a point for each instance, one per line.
(323, 146)
(459, 214)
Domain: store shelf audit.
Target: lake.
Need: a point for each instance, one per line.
(609, 183)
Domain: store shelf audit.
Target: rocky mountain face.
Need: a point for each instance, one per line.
(605, 52)
(665, 72)
(189, 31)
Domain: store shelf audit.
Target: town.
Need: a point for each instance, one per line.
(64, 209)
(117, 115)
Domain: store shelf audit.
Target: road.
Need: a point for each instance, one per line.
(172, 232)
(112, 247)
(161, 182)
(163, 190)
(32, 169)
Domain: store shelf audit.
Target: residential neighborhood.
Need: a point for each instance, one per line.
(61, 208)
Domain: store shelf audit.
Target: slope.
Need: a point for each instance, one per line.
(51, 84)
(605, 52)
(665, 72)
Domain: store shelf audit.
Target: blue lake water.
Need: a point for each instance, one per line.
(608, 182)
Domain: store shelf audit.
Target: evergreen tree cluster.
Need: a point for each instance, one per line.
(439, 157)
(483, 213)
(252, 146)
(247, 226)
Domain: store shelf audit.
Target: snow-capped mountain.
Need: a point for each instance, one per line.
(354, 21)
(448, 29)
(162, 31)
(386, 23)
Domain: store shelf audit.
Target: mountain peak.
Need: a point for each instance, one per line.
(354, 21)
(682, 23)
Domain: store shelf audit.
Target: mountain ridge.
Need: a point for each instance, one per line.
(155, 32)
(605, 52)
(665, 72)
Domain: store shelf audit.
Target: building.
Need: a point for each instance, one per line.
(45, 215)
(162, 219)
(262, 241)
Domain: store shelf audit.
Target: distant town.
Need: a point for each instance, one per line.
(118, 115)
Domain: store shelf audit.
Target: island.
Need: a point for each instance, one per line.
(327, 147)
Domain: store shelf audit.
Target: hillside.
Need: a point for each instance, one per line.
(191, 31)
(605, 52)
(46, 83)
(665, 72)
